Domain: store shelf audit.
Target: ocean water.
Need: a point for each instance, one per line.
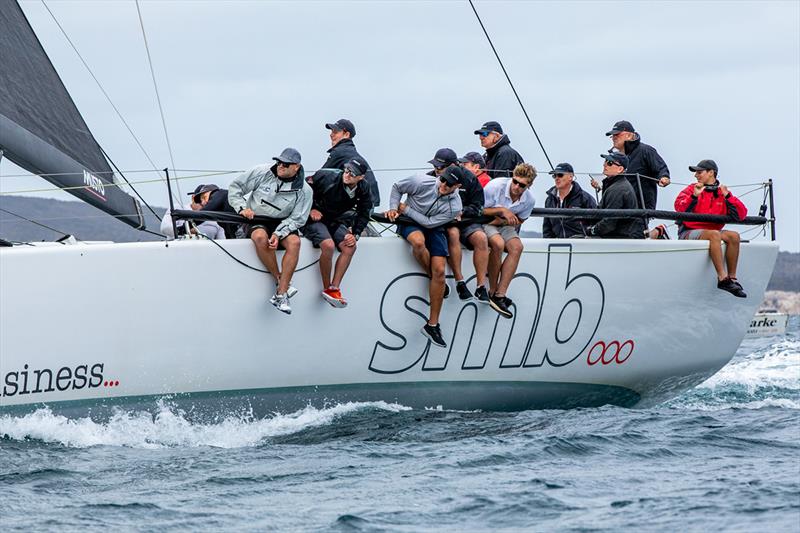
(724, 456)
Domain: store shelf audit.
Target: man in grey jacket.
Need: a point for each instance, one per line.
(431, 202)
(279, 192)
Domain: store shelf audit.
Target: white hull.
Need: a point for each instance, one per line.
(187, 320)
(767, 324)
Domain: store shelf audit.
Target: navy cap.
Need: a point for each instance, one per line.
(356, 167)
(289, 155)
(444, 157)
(616, 157)
(619, 127)
(490, 126)
(454, 175)
(563, 168)
(473, 157)
(344, 125)
(705, 164)
(200, 189)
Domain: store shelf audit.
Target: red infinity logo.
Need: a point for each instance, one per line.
(613, 352)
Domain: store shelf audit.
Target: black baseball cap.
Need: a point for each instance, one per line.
(453, 175)
(563, 168)
(473, 157)
(344, 125)
(490, 126)
(444, 157)
(705, 164)
(616, 157)
(619, 127)
(289, 155)
(200, 189)
(356, 167)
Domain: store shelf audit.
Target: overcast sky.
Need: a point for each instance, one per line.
(239, 81)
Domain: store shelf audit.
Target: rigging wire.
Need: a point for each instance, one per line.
(158, 98)
(524, 111)
(128, 182)
(33, 221)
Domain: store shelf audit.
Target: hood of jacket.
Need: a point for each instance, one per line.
(342, 144)
(296, 182)
(502, 141)
(632, 145)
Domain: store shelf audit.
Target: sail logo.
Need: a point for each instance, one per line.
(556, 317)
(95, 184)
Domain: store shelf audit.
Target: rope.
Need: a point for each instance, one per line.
(128, 182)
(158, 96)
(296, 270)
(51, 189)
(524, 111)
(32, 221)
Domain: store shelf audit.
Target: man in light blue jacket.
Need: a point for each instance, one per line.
(431, 202)
(279, 192)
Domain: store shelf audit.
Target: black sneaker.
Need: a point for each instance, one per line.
(446, 290)
(463, 291)
(482, 295)
(732, 287)
(498, 303)
(434, 333)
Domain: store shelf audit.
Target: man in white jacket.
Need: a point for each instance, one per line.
(279, 192)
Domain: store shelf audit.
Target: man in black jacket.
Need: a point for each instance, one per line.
(332, 225)
(217, 200)
(643, 160)
(343, 150)
(472, 236)
(565, 194)
(618, 193)
(501, 159)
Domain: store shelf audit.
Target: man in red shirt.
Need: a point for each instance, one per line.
(710, 197)
(474, 162)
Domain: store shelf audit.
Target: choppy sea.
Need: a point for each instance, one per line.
(724, 456)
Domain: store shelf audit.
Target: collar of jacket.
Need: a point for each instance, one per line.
(553, 191)
(611, 180)
(632, 145)
(297, 181)
(504, 140)
(343, 142)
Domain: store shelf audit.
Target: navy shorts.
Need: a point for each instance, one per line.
(320, 231)
(435, 238)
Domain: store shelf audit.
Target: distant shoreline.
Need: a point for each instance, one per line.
(783, 301)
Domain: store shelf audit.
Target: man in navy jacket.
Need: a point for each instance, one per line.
(343, 150)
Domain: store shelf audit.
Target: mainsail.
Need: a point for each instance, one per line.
(42, 131)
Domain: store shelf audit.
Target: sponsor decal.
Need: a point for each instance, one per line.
(42, 380)
(94, 185)
(611, 352)
(555, 320)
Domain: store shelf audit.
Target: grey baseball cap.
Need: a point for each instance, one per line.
(289, 155)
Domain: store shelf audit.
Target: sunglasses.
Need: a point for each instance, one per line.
(558, 175)
(611, 164)
(484, 133)
(285, 165)
(520, 184)
(444, 180)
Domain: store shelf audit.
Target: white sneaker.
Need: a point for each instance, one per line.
(291, 291)
(281, 303)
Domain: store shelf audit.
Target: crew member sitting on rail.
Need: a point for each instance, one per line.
(332, 224)
(431, 202)
(565, 194)
(510, 201)
(281, 193)
(207, 228)
(474, 162)
(618, 193)
(216, 199)
(709, 196)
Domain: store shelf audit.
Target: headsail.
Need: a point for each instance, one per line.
(42, 131)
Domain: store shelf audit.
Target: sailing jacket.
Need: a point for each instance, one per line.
(424, 204)
(218, 201)
(289, 201)
(562, 228)
(501, 159)
(710, 203)
(345, 151)
(618, 193)
(644, 160)
(336, 205)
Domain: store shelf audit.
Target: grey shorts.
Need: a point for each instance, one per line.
(464, 233)
(317, 232)
(507, 232)
(690, 234)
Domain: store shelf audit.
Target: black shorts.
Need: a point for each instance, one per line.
(269, 227)
(435, 238)
(320, 231)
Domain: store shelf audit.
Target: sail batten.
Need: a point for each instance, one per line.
(41, 129)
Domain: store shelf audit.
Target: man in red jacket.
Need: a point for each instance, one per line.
(710, 197)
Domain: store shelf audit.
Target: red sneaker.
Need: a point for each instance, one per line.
(334, 297)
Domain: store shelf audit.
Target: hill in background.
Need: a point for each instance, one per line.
(90, 224)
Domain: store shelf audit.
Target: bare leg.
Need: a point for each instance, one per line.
(291, 243)
(436, 288)
(326, 249)
(715, 251)
(421, 253)
(454, 247)
(510, 263)
(265, 254)
(480, 256)
(496, 245)
(342, 263)
(732, 240)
